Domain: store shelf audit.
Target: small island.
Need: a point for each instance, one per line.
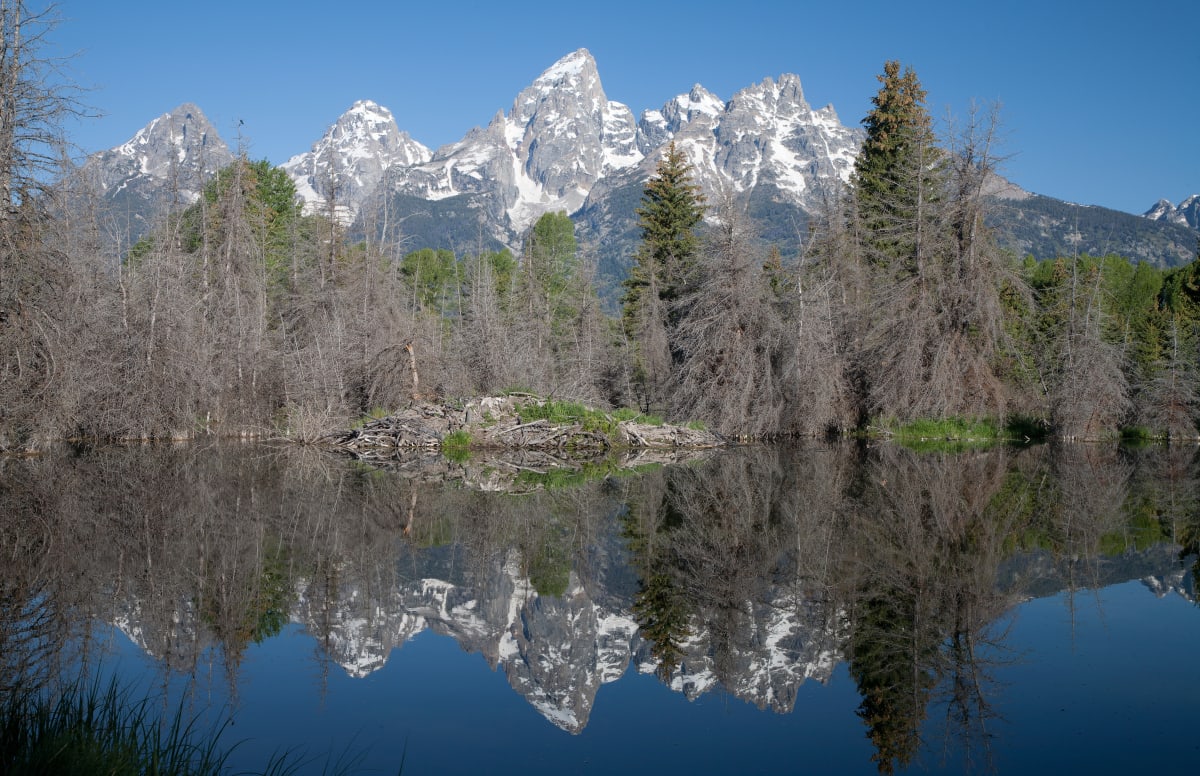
(514, 422)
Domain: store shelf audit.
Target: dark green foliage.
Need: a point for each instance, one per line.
(664, 267)
(268, 203)
(251, 614)
(672, 207)
(931, 330)
(503, 266)
(898, 176)
(548, 276)
(1144, 315)
(550, 561)
(1181, 290)
(663, 620)
(889, 661)
(660, 606)
(434, 277)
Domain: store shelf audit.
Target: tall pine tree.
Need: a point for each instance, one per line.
(899, 175)
(933, 336)
(664, 264)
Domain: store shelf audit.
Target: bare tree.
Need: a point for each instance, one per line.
(35, 98)
(729, 336)
(1089, 393)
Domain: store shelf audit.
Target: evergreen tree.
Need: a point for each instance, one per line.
(899, 175)
(933, 340)
(672, 207)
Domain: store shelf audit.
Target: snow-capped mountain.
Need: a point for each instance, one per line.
(180, 146)
(564, 143)
(352, 158)
(657, 127)
(768, 135)
(561, 135)
(1186, 213)
(557, 650)
(162, 167)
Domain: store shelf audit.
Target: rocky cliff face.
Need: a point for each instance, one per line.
(179, 147)
(562, 145)
(557, 651)
(163, 167)
(561, 135)
(353, 158)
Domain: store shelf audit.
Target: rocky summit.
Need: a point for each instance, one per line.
(1186, 213)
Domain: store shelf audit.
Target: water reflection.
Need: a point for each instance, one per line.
(754, 571)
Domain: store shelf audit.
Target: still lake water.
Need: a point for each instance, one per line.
(828, 609)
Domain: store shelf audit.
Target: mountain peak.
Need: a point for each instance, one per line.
(180, 145)
(172, 127)
(570, 67)
(1187, 213)
(352, 156)
(188, 110)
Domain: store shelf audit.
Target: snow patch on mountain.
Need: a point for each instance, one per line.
(1186, 213)
(170, 158)
(561, 135)
(352, 158)
(658, 127)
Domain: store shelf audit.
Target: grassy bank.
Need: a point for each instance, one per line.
(950, 434)
(95, 728)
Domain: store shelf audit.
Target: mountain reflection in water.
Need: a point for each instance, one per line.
(749, 572)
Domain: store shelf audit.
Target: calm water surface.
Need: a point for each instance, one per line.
(831, 609)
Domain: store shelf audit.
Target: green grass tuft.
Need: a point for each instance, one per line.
(457, 446)
(94, 728)
(598, 421)
(948, 434)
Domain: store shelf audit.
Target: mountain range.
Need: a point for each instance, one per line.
(563, 145)
(557, 651)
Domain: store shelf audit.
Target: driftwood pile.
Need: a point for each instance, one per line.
(494, 424)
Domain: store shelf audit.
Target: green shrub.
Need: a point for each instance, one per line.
(457, 446)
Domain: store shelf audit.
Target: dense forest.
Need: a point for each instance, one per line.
(241, 314)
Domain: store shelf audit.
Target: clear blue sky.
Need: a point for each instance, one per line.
(1099, 100)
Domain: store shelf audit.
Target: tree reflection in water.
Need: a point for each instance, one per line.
(755, 570)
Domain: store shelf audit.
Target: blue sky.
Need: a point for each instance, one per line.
(1099, 100)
